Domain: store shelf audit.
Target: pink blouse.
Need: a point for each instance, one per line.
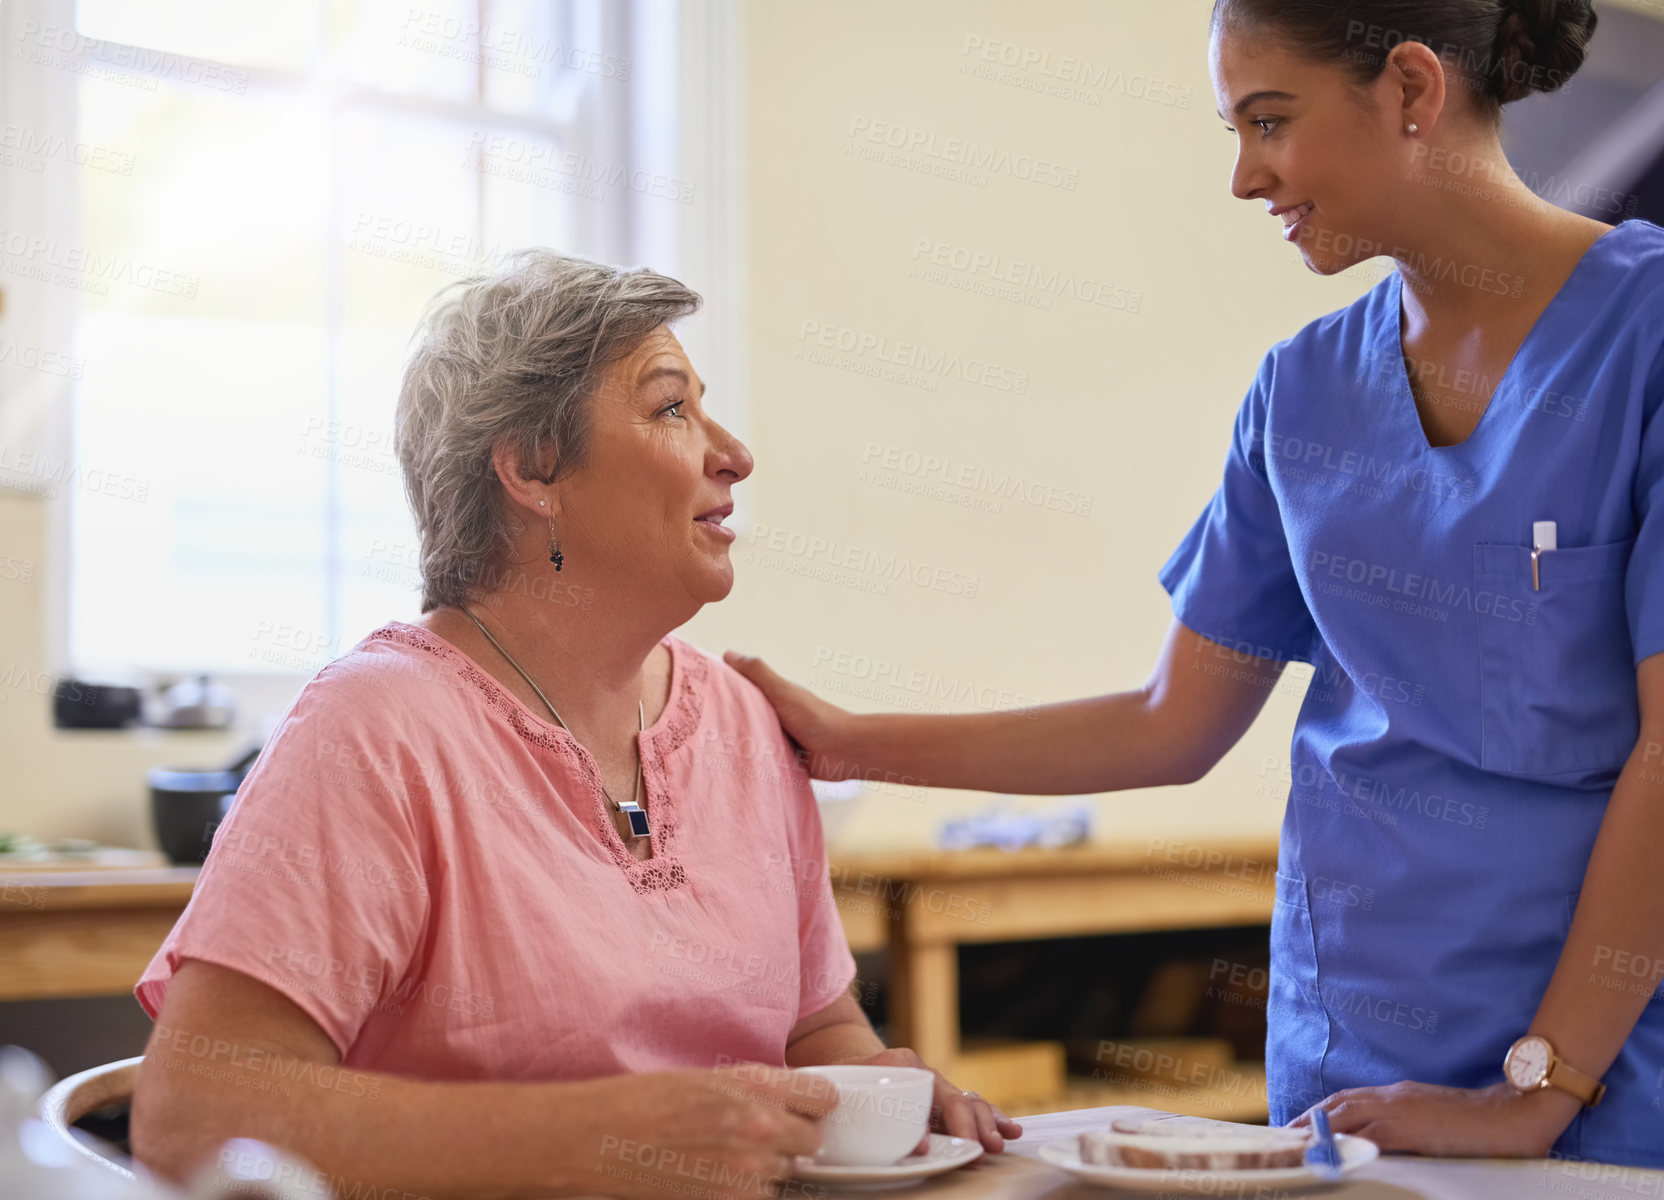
(425, 867)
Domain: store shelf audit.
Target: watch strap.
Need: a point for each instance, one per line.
(1562, 1075)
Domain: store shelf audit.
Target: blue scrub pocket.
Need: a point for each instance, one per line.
(1556, 670)
(1298, 1034)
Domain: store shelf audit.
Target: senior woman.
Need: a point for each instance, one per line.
(494, 904)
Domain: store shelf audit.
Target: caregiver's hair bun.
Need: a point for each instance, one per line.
(1540, 44)
(1497, 50)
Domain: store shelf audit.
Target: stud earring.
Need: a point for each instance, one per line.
(555, 556)
(1414, 129)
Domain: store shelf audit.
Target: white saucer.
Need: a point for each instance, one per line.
(945, 1154)
(1065, 1153)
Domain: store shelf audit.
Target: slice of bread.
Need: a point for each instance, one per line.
(1177, 1143)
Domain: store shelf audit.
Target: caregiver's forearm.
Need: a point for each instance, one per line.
(1098, 745)
(1614, 955)
(1198, 702)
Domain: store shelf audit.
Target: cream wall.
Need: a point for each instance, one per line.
(1130, 408)
(87, 783)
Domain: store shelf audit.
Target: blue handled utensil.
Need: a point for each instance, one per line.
(1323, 1156)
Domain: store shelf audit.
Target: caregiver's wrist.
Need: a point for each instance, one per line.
(874, 747)
(853, 744)
(856, 735)
(1545, 1112)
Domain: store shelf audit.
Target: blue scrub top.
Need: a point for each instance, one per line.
(1462, 732)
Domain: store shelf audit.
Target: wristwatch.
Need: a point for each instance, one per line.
(1532, 1064)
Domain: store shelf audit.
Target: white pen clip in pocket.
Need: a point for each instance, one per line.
(1544, 536)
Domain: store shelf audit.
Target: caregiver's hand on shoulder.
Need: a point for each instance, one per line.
(728, 1133)
(953, 1112)
(1447, 1122)
(820, 728)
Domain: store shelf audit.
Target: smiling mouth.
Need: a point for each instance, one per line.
(713, 521)
(1293, 230)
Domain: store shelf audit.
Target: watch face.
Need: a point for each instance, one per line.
(1527, 1064)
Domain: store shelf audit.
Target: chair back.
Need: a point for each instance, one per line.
(71, 1099)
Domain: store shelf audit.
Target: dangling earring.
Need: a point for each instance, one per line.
(555, 556)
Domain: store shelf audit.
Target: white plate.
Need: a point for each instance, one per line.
(1065, 1153)
(945, 1154)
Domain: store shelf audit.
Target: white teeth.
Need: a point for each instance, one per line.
(1296, 214)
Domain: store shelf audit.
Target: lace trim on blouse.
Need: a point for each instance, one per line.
(689, 670)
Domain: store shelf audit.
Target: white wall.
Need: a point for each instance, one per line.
(1131, 408)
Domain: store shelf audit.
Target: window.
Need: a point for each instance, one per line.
(266, 198)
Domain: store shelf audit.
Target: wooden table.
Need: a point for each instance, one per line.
(67, 932)
(923, 906)
(1020, 1175)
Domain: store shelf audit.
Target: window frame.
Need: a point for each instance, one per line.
(706, 238)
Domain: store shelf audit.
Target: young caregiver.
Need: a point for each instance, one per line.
(1448, 498)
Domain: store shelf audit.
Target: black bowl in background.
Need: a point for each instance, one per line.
(188, 806)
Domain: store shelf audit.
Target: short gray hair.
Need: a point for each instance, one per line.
(513, 355)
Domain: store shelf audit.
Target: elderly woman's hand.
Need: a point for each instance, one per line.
(821, 729)
(729, 1134)
(953, 1112)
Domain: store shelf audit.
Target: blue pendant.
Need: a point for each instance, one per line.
(637, 817)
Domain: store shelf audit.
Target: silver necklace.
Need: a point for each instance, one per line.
(635, 816)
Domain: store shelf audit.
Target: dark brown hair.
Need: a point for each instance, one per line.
(1503, 50)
